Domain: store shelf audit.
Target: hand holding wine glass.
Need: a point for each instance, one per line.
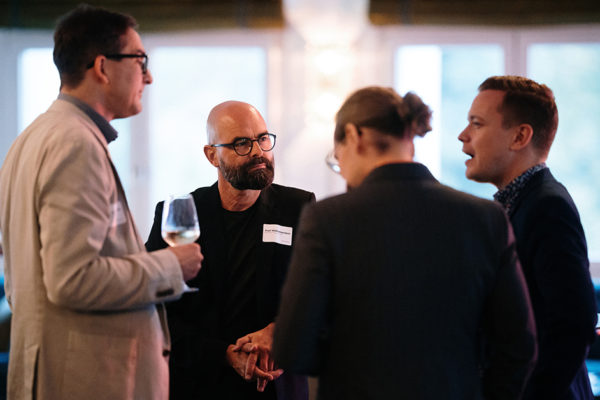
(180, 230)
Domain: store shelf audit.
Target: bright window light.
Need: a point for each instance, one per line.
(39, 86)
(188, 83)
(572, 71)
(446, 78)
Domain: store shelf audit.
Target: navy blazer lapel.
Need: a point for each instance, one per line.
(534, 182)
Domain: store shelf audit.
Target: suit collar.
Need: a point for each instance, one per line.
(399, 171)
(531, 186)
(107, 130)
(510, 194)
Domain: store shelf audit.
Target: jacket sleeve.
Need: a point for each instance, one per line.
(302, 322)
(87, 239)
(195, 351)
(554, 248)
(509, 327)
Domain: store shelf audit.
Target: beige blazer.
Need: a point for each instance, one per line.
(81, 286)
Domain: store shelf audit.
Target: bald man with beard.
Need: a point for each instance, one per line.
(222, 333)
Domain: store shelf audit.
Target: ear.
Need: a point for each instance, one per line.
(98, 69)
(353, 138)
(211, 155)
(522, 137)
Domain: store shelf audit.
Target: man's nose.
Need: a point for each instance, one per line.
(463, 136)
(148, 79)
(256, 150)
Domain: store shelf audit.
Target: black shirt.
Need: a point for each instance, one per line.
(240, 311)
(242, 234)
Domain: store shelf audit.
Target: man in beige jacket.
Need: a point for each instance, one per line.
(86, 297)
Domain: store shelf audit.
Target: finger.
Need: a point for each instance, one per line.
(250, 366)
(249, 348)
(260, 374)
(241, 342)
(276, 373)
(263, 363)
(261, 384)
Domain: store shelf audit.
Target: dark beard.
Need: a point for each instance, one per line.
(242, 179)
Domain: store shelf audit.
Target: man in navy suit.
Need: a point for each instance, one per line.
(247, 230)
(512, 123)
(394, 286)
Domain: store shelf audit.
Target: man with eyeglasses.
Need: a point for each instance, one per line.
(88, 320)
(222, 333)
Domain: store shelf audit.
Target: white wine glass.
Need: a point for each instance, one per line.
(180, 221)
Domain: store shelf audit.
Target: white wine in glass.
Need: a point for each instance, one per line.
(180, 221)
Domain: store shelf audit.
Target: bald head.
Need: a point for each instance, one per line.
(240, 123)
(233, 119)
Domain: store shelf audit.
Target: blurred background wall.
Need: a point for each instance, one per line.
(296, 60)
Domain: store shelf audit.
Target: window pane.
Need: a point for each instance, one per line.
(188, 83)
(572, 71)
(447, 77)
(39, 85)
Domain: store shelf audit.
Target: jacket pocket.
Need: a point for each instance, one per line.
(99, 367)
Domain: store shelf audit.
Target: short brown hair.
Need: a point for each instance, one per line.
(384, 110)
(527, 102)
(84, 33)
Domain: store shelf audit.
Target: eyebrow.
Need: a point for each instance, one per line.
(246, 137)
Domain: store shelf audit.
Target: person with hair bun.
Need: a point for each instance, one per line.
(403, 287)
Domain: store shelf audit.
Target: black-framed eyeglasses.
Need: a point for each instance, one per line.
(121, 56)
(332, 162)
(243, 146)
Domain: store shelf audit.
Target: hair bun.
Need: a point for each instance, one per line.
(419, 114)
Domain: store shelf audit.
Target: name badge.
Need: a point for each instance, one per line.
(117, 214)
(277, 234)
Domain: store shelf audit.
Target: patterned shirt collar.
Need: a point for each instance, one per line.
(509, 195)
(105, 127)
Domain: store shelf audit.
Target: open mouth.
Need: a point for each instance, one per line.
(469, 156)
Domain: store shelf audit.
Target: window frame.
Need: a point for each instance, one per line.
(514, 42)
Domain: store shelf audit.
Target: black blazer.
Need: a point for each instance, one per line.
(392, 287)
(197, 359)
(553, 253)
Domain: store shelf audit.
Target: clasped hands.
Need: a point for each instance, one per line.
(251, 358)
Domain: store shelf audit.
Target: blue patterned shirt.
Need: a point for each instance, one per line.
(509, 195)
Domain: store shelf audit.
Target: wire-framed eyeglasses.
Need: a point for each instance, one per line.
(243, 146)
(332, 162)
